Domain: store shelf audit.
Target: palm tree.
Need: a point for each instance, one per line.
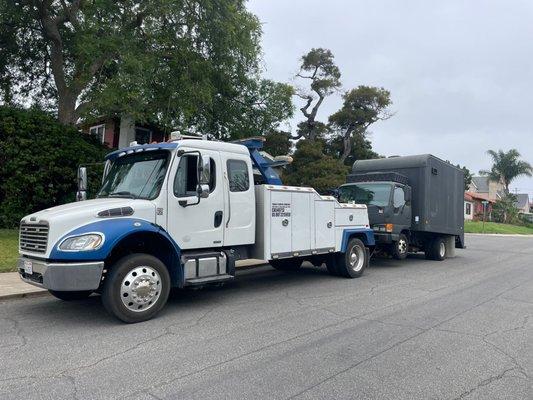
(506, 167)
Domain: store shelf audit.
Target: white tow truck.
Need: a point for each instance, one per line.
(180, 214)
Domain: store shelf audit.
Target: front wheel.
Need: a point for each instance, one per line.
(136, 288)
(71, 296)
(353, 262)
(400, 247)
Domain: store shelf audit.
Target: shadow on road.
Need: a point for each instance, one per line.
(260, 280)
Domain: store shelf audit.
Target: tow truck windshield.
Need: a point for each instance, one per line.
(137, 176)
(377, 194)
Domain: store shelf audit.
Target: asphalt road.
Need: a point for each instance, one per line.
(458, 329)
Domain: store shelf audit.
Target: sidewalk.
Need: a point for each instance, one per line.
(11, 286)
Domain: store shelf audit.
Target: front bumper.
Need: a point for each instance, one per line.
(385, 237)
(72, 276)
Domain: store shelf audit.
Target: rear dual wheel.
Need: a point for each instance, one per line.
(436, 249)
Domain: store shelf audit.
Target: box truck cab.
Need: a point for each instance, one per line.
(180, 214)
(415, 203)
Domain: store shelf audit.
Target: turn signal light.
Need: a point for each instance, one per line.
(389, 227)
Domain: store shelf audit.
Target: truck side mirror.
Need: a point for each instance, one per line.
(407, 194)
(82, 184)
(204, 176)
(204, 170)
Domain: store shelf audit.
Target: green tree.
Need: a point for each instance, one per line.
(506, 167)
(278, 143)
(362, 107)
(467, 176)
(261, 107)
(319, 68)
(39, 158)
(311, 167)
(361, 149)
(182, 64)
(504, 210)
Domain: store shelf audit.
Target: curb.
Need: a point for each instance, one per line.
(23, 295)
(501, 235)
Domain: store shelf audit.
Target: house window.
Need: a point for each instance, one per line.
(239, 180)
(143, 135)
(98, 132)
(468, 209)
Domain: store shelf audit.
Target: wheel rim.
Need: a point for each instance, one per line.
(140, 289)
(442, 249)
(357, 258)
(402, 246)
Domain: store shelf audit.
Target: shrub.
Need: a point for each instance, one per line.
(39, 158)
(311, 167)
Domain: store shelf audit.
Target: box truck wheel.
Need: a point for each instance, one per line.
(436, 249)
(400, 247)
(286, 264)
(136, 288)
(70, 296)
(353, 262)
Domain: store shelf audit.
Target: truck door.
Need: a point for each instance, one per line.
(239, 214)
(401, 209)
(195, 225)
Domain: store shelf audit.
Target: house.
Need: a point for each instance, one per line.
(473, 207)
(483, 185)
(522, 203)
(116, 132)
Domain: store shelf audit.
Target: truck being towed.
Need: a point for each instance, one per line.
(415, 203)
(180, 214)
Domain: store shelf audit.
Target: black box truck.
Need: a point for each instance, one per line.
(415, 203)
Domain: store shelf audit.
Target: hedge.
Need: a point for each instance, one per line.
(39, 158)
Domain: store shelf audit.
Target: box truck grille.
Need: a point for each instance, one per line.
(33, 237)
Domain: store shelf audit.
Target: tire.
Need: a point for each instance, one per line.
(71, 296)
(436, 249)
(354, 261)
(286, 264)
(136, 288)
(400, 248)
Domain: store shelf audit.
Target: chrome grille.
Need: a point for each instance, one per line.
(33, 237)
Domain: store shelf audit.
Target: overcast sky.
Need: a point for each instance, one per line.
(460, 72)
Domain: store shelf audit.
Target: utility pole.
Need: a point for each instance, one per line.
(484, 202)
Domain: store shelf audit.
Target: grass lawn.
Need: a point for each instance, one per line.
(493, 227)
(9, 239)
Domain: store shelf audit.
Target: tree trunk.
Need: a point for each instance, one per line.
(66, 108)
(347, 147)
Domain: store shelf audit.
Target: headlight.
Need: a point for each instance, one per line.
(91, 241)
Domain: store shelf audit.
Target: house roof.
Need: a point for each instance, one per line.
(471, 196)
(522, 200)
(481, 183)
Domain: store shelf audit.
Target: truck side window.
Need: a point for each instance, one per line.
(239, 181)
(186, 180)
(398, 198)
